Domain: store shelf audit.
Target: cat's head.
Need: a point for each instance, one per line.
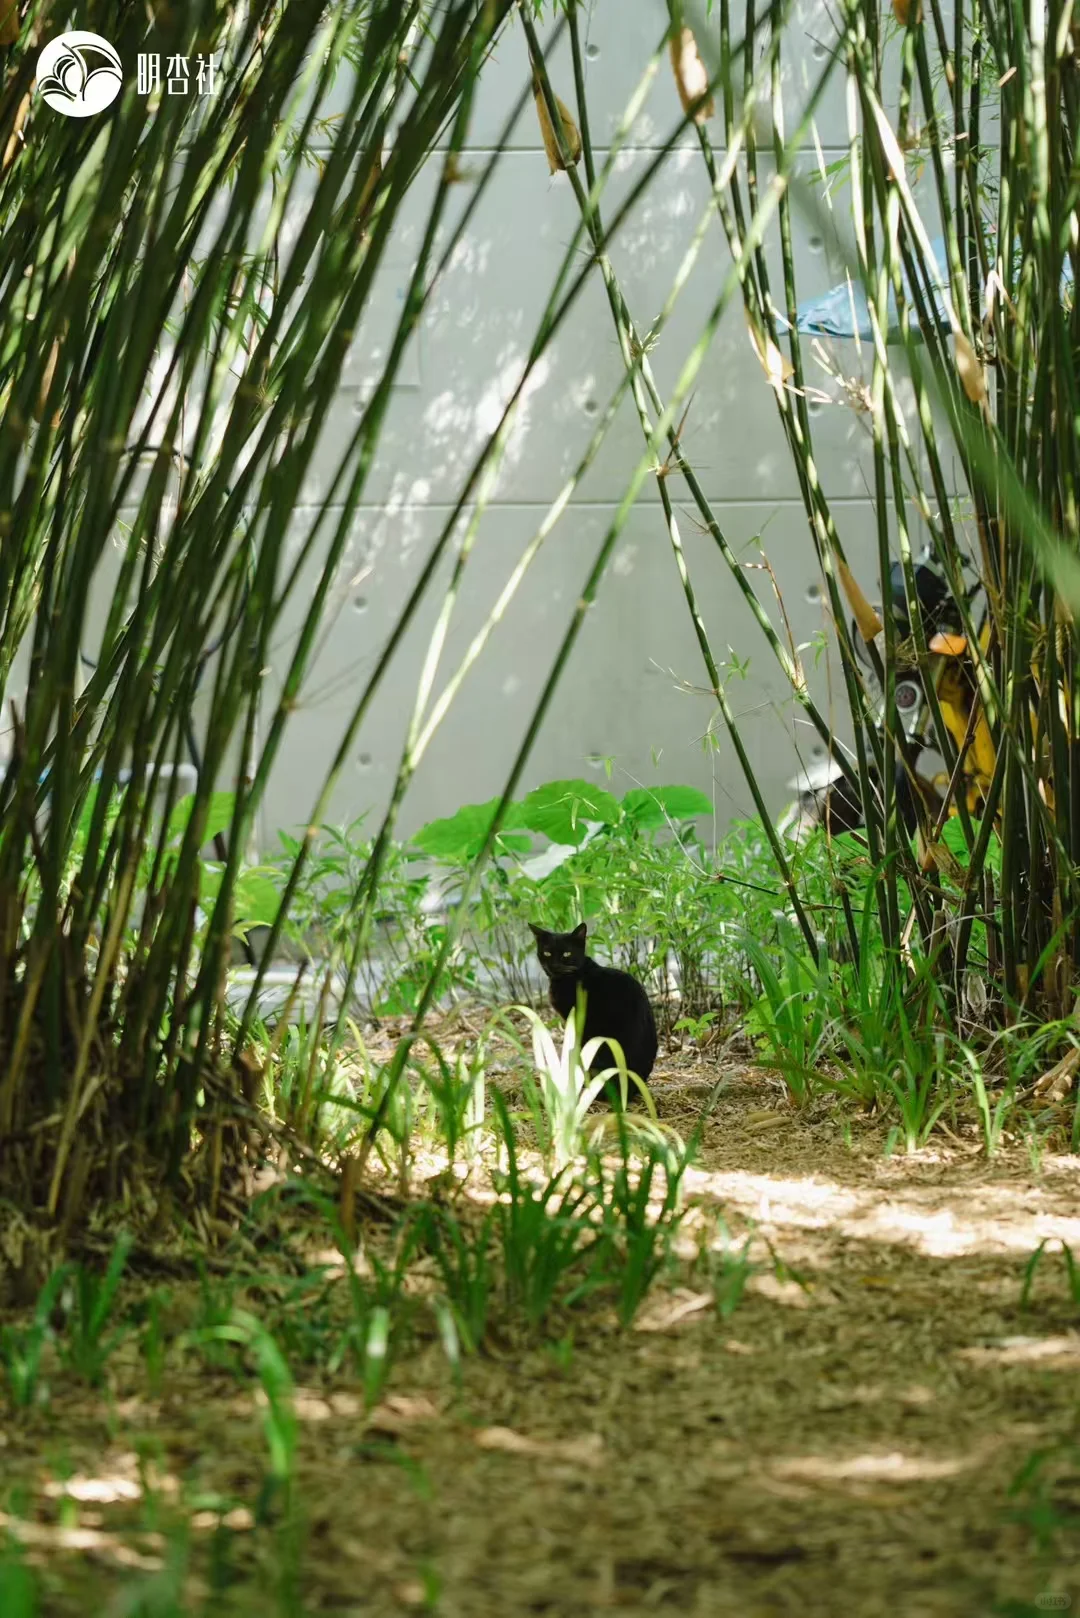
(560, 954)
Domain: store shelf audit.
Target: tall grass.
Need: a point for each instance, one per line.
(144, 328)
(980, 144)
(111, 1015)
(986, 332)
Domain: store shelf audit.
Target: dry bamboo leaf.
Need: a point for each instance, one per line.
(786, 1292)
(250, 1071)
(16, 129)
(397, 1412)
(936, 854)
(411, 1593)
(1056, 1084)
(660, 1316)
(765, 1120)
(350, 1180)
(571, 134)
(587, 1451)
(9, 22)
(777, 367)
(975, 995)
(867, 620)
(37, 409)
(691, 75)
(902, 10)
(982, 747)
(972, 375)
(891, 147)
(367, 195)
(355, 218)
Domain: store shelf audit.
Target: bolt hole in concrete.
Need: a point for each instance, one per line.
(813, 593)
(592, 52)
(364, 761)
(590, 407)
(360, 604)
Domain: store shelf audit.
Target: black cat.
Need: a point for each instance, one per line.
(615, 1005)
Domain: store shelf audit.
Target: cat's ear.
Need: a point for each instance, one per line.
(579, 932)
(537, 932)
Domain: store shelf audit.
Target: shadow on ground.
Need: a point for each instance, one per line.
(843, 1443)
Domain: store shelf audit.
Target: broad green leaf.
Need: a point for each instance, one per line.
(218, 817)
(82, 831)
(257, 898)
(460, 837)
(952, 835)
(564, 810)
(657, 805)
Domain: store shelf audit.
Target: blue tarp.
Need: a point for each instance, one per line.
(843, 310)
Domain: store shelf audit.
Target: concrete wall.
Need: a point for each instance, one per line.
(624, 694)
(630, 691)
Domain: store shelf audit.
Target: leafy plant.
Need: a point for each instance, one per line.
(120, 931)
(465, 1259)
(154, 1339)
(791, 1019)
(1072, 1273)
(90, 1304)
(914, 1089)
(993, 1118)
(642, 1212)
(457, 1091)
(1043, 1506)
(544, 1234)
(21, 1347)
(19, 1590)
(728, 1268)
(697, 1029)
(279, 1415)
(565, 1092)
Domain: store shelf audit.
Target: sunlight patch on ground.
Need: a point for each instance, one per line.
(586, 1451)
(59, 1537)
(1060, 1351)
(994, 1218)
(239, 1519)
(893, 1467)
(101, 1491)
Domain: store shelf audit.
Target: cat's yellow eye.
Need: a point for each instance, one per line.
(566, 954)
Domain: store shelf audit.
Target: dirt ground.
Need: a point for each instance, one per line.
(845, 1442)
